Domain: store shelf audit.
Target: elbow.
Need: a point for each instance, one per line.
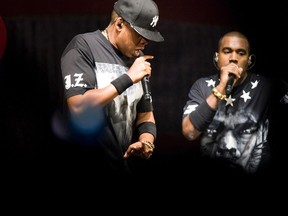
(188, 134)
(76, 104)
(75, 109)
(188, 131)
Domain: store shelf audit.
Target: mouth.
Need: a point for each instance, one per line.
(137, 52)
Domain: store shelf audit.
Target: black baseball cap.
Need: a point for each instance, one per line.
(142, 15)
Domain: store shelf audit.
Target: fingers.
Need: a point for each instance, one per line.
(127, 154)
(146, 66)
(145, 57)
(140, 68)
(233, 68)
(141, 149)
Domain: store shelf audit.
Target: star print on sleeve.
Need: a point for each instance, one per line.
(190, 108)
(245, 96)
(255, 84)
(229, 100)
(211, 82)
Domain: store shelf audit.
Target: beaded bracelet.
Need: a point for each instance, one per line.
(148, 143)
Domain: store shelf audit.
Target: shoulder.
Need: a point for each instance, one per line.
(203, 86)
(80, 42)
(261, 80)
(257, 76)
(207, 81)
(81, 39)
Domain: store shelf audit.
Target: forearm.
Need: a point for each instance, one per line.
(146, 126)
(199, 120)
(101, 96)
(92, 98)
(144, 147)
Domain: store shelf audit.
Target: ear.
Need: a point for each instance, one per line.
(249, 60)
(215, 60)
(119, 24)
(216, 57)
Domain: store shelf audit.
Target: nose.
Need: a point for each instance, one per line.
(233, 58)
(228, 147)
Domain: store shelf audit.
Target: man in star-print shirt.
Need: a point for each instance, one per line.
(232, 127)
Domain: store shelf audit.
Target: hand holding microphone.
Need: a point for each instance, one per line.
(231, 78)
(146, 87)
(230, 83)
(140, 68)
(136, 71)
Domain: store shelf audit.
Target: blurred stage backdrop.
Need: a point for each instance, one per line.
(37, 32)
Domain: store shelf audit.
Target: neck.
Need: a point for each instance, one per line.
(105, 33)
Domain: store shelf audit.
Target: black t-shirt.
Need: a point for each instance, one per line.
(90, 61)
(238, 134)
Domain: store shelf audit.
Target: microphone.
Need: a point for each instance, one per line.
(230, 83)
(146, 87)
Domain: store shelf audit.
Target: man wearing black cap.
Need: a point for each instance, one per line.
(103, 75)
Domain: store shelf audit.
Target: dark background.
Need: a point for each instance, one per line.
(37, 33)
